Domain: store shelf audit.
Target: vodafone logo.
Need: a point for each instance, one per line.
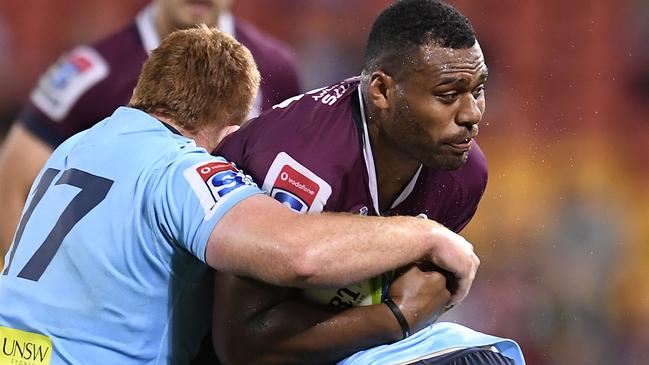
(291, 183)
(284, 176)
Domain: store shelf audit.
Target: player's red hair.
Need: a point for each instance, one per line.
(198, 77)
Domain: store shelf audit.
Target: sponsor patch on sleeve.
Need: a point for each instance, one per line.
(22, 347)
(213, 181)
(295, 186)
(64, 83)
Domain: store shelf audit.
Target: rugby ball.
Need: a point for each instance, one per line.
(367, 292)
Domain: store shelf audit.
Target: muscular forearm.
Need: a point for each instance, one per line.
(327, 250)
(361, 247)
(288, 330)
(327, 340)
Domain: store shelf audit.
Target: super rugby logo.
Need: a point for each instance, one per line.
(64, 83)
(295, 186)
(75, 65)
(213, 181)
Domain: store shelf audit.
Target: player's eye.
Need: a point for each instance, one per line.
(449, 97)
(478, 91)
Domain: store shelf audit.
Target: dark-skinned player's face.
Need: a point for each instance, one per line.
(438, 104)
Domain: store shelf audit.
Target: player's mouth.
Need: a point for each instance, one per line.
(462, 145)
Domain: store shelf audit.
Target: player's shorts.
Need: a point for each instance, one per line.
(470, 356)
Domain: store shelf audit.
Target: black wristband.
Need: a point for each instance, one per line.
(405, 328)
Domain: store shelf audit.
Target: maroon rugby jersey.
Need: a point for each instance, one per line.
(90, 82)
(312, 153)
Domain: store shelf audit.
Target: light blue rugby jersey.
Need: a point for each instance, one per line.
(435, 339)
(109, 258)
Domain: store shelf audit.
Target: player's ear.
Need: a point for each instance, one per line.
(381, 89)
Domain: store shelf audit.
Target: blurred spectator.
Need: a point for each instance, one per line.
(330, 42)
(88, 83)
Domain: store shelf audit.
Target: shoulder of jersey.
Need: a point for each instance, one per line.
(67, 80)
(327, 96)
(78, 71)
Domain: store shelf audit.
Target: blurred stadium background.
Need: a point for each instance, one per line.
(563, 229)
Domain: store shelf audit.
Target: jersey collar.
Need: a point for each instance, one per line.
(371, 169)
(145, 22)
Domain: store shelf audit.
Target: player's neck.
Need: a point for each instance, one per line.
(162, 25)
(394, 168)
(203, 137)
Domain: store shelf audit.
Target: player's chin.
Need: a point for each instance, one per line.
(451, 161)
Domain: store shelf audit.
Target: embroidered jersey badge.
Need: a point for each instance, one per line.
(295, 186)
(213, 181)
(63, 84)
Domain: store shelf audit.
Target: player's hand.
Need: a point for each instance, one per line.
(421, 295)
(454, 254)
(451, 280)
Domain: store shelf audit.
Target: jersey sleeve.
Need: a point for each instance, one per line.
(193, 194)
(54, 111)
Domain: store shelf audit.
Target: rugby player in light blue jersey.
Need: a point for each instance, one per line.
(111, 261)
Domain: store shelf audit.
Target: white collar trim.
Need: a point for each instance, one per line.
(145, 22)
(226, 23)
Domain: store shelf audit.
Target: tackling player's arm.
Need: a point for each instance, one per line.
(260, 238)
(282, 328)
(21, 157)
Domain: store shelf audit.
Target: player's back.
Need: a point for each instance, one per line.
(93, 264)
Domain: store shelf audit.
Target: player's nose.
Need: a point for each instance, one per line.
(469, 112)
